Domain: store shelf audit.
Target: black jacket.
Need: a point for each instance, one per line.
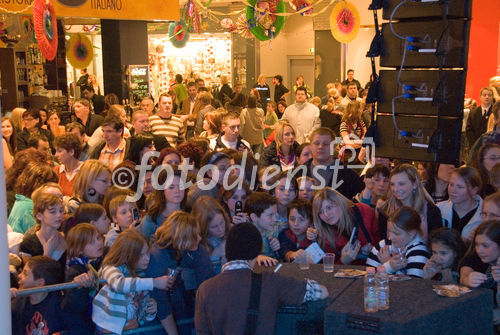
(270, 155)
(23, 138)
(352, 183)
(476, 124)
(93, 122)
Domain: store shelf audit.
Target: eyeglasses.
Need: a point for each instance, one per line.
(489, 216)
(28, 119)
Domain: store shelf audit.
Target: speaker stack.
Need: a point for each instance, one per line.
(420, 98)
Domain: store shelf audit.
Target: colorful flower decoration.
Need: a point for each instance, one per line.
(242, 27)
(192, 17)
(44, 18)
(79, 51)
(178, 34)
(262, 20)
(228, 24)
(344, 22)
(301, 4)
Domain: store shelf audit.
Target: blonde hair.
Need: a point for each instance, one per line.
(78, 237)
(352, 112)
(278, 132)
(16, 117)
(261, 77)
(89, 171)
(224, 79)
(204, 210)
(42, 189)
(346, 221)
(179, 231)
(419, 197)
(126, 250)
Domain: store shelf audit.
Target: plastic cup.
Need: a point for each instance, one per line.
(303, 261)
(328, 262)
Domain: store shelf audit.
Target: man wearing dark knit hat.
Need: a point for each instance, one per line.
(223, 302)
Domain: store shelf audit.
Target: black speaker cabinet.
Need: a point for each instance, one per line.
(424, 10)
(425, 85)
(430, 36)
(420, 129)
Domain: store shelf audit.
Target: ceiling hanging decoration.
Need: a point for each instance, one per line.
(262, 20)
(79, 51)
(178, 34)
(344, 21)
(192, 17)
(298, 5)
(45, 23)
(242, 27)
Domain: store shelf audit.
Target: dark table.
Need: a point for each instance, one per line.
(308, 318)
(414, 309)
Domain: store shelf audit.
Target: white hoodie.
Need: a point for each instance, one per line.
(446, 208)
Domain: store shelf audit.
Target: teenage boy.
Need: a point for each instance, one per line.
(220, 313)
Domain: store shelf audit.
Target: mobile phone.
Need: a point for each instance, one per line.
(172, 273)
(238, 207)
(135, 214)
(353, 235)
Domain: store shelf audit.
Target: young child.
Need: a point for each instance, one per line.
(293, 241)
(85, 247)
(306, 190)
(163, 202)
(408, 253)
(44, 238)
(94, 214)
(41, 313)
(463, 209)
(122, 214)
(262, 210)
(447, 249)
(376, 185)
(214, 225)
(284, 192)
(480, 267)
(123, 302)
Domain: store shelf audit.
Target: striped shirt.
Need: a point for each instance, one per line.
(416, 254)
(172, 128)
(111, 158)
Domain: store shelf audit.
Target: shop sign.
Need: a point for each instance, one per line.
(103, 9)
(139, 81)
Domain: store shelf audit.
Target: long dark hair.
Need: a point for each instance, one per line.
(11, 143)
(491, 229)
(450, 238)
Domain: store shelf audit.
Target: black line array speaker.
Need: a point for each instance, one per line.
(427, 9)
(420, 100)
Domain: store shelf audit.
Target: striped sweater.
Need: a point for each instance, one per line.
(172, 129)
(109, 309)
(416, 254)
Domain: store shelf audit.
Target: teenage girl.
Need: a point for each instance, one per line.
(407, 253)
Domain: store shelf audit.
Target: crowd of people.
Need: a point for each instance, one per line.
(221, 182)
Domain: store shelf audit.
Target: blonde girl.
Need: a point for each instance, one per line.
(90, 184)
(334, 218)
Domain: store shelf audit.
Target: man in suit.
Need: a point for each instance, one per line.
(96, 99)
(478, 118)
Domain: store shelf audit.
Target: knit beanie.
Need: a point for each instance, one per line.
(244, 242)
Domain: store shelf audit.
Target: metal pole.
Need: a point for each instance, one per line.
(50, 288)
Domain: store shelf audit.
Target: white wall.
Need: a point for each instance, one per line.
(297, 37)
